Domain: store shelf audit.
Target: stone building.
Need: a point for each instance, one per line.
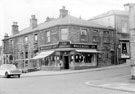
(118, 20)
(66, 42)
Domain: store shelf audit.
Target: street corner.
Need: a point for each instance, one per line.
(122, 84)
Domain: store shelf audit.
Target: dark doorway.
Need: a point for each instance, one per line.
(66, 62)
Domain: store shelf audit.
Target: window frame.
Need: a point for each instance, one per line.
(36, 37)
(48, 36)
(26, 39)
(65, 34)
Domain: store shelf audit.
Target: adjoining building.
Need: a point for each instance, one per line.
(118, 20)
(1, 55)
(66, 42)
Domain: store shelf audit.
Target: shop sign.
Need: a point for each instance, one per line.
(84, 46)
(64, 45)
(68, 45)
(49, 47)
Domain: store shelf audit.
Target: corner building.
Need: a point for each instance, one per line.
(60, 43)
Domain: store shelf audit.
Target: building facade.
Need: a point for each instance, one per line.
(66, 42)
(118, 20)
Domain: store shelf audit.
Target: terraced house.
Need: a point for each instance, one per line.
(66, 42)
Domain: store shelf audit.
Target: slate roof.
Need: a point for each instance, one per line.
(111, 12)
(68, 20)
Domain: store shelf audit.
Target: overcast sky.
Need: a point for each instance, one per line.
(21, 10)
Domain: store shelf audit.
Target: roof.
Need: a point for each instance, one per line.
(68, 20)
(111, 12)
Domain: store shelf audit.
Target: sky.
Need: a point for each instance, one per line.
(21, 10)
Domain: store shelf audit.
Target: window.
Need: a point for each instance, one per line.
(26, 39)
(95, 39)
(84, 32)
(96, 31)
(48, 36)
(11, 42)
(36, 37)
(106, 40)
(64, 34)
(83, 35)
(124, 27)
(106, 32)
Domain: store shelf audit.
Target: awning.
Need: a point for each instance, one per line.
(43, 54)
(88, 50)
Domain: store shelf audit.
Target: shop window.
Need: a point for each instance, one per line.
(124, 48)
(64, 34)
(48, 36)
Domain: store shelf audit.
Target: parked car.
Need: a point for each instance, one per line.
(8, 70)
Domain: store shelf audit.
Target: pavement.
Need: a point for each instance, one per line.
(122, 84)
(61, 72)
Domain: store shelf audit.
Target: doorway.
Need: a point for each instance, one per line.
(66, 62)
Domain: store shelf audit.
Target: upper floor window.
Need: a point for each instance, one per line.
(106, 32)
(36, 37)
(124, 27)
(95, 31)
(64, 34)
(11, 42)
(95, 39)
(26, 39)
(48, 36)
(84, 32)
(83, 36)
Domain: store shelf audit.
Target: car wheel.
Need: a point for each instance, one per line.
(6, 75)
(19, 76)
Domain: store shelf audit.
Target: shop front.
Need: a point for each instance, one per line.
(66, 55)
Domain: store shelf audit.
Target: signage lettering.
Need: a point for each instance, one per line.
(68, 45)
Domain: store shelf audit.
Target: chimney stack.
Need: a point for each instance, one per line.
(6, 35)
(33, 21)
(63, 12)
(126, 7)
(15, 28)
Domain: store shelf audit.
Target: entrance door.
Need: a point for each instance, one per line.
(66, 62)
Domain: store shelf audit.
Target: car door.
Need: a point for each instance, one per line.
(2, 71)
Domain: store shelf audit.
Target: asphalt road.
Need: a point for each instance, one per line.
(62, 84)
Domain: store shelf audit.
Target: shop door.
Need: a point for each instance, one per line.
(66, 62)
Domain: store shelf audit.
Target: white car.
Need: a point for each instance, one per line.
(8, 70)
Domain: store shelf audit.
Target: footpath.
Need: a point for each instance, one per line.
(62, 72)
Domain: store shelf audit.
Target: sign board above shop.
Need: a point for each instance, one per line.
(68, 45)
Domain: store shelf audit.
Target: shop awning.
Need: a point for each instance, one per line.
(87, 50)
(43, 54)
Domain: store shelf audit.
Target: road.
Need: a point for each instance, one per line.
(62, 84)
